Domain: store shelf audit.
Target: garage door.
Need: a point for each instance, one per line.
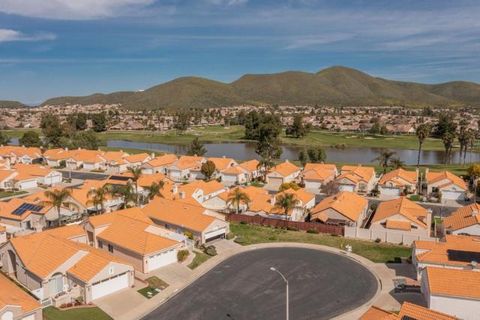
(161, 260)
(274, 183)
(390, 191)
(310, 185)
(212, 235)
(452, 195)
(346, 187)
(29, 184)
(110, 286)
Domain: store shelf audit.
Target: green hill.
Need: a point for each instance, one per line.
(331, 86)
(11, 104)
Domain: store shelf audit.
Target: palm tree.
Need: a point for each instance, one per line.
(128, 195)
(448, 139)
(155, 189)
(98, 196)
(265, 164)
(57, 198)
(286, 202)
(383, 158)
(396, 163)
(136, 174)
(422, 132)
(236, 197)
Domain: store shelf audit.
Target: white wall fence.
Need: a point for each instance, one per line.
(384, 235)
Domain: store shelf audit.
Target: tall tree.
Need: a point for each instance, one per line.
(196, 148)
(297, 129)
(4, 139)
(236, 197)
(30, 139)
(136, 173)
(57, 198)
(98, 196)
(448, 139)
(155, 189)
(52, 129)
(286, 202)
(99, 121)
(397, 163)
(303, 157)
(208, 169)
(422, 132)
(128, 194)
(384, 158)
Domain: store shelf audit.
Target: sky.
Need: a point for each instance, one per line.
(54, 48)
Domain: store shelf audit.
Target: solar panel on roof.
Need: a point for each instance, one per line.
(120, 178)
(26, 207)
(464, 256)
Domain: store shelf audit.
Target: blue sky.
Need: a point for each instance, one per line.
(76, 47)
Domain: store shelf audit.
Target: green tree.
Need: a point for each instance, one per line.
(445, 125)
(182, 121)
(208, 169)
(86, 140)
(236, 197)
(52, 129)
(99, 122)
(30, 139)
(127, 193)
(422, 132)
(58, 198)
(196, 148)
(286, 202)
(384, 158)
(397, 163)
(288, 185)
(316, 155)
(448, 139)
(303, 157)
(4, 139)
(297, 129)
(136, 175)
(98, 196)
(155, 189)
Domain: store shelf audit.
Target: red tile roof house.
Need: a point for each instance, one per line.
(282, 173)
(408, 311)
(58, 267)
(445, 183)
(398, 182)
(159, 164)
(466, 220)
(16, 303)
(306, 201)
(186, 168)
(344, 208)
(16, 154)
(316, 175)
(357, 179)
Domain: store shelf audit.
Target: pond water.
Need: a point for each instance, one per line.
(246, 151)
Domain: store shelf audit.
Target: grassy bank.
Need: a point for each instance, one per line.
(375, 252)
(94, 313)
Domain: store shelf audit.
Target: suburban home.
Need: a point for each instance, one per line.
(7, 181)
(130, 235)
(85, 159)
(260, 201)
(137, 160)
(20, 154)
(115, 162)
(43, 175)
(252, 169)
(455, 292)
(466, 220)
(206, 194)
(315, 175)
(344, 208)
(446, 185)
(404, 215)
(55, 157)
(186, 219)
(454, 252)
(80, 199)
(222, 164)
(234, 176)
(159, 164)
(357, 179)
(407, 311)
(398, 182)
(186, 168)
(16, 303)
(282, 173)
(20, 216)
(58, 268)
(306, 201)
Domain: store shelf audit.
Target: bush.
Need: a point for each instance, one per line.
(312, 231)
(239, 240)
(210, 250)
(243, 222)
(292, 228)
(188, 234)
(182, 255)
(378, 240)
(230, 236)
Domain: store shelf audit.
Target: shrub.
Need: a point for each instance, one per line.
(378, 240)
(182, 255)
(210, 250)
(230, 236)
(289, 228)
(243, 222)
(188, 234)
(239, 240)
(312, 231)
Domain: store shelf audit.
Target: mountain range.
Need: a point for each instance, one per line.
(334, 86)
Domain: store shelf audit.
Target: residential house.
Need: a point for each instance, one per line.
(58, 268)
(19, 216)
(20, 154)
(115, 162)
(206, 194)
(137, 160)
(186, 168)
(404, 215)
(466, 220)
(159, 164)
(446, 185)
(184, 218)
(316, 175)
(305, 202)
(252, 169)
(344, 208)
(222, 164)
(56, 157)
(15, 303)
(398, 182)
(407, 311)
(130, 235)
(7, 181)
(80, 198)
(455, 292)
(282, 173)
(234, 176)
(42, 175)
(357, 179)
(261, 202)
(85, 159)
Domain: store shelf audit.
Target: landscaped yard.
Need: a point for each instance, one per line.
(93, 313)
(250, 234)
(155, 285)
(199, 258)
(4, 194)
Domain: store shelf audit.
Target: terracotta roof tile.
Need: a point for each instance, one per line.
(12, 295)
(346, 203)
(462, 218)
(404, 207)
(467, 282)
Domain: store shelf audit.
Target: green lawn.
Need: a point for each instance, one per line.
(250, 234)
(94, 313)
(199, 258)
(4, 194)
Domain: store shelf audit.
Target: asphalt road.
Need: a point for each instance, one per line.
(322, 285)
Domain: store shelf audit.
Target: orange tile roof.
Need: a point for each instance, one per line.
(223, 163)
(31, 171)
(285, 168)
(236, 170)
(67, 232)
(188, 162)
(320, 166)
(440, 252)
(404, 207)
(399, 177)
(89, 156)
(462, 218)
(7, 174)
(398, 225)
(413, 311)
(357, 173)
(250, 166)
(7, 208)
(375, 313)
(20, 151)
(178, 213)
(164, 160)
(207, 187)
(318, 173)
(146, 180)
(57, 154)
(348, 204)
(114, 157)
(139, 157)
(260, 199)
(12, 295)
(300, 194)
(467, 282)
(433, 177)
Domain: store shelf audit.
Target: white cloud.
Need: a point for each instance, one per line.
(71, 9)
(9, 35)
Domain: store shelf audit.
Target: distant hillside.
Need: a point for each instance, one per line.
(10, 104)
(331, 86)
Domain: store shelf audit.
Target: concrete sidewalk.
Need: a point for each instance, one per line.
(129, 304)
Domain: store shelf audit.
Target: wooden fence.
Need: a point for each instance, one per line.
(278, 223)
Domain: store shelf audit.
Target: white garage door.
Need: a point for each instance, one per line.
(29, 184)
(215, 234)
(161, 259)
(390, 191)
(452, 195)
(110, 286)
(274, 183)
(346, 187)
(313, 185)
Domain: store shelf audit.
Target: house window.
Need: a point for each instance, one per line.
(110, 248)
(100, 244)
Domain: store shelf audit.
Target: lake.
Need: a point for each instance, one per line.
(246, 151)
